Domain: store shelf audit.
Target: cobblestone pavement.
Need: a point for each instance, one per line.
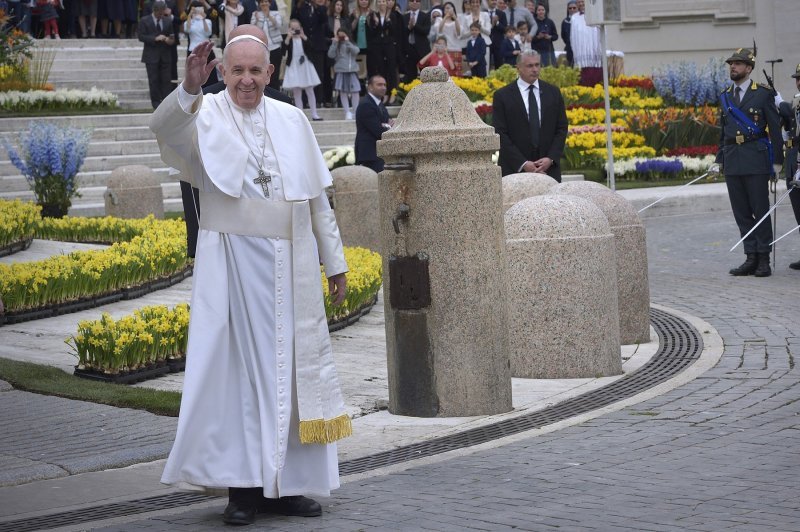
(719, 453)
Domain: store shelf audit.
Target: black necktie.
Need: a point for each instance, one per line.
(158, 25)
(737, 95)
(512, 17)
(533, 116)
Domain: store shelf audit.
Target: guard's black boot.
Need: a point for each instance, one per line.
(763, 269)
(795, 265)
(748, 267)
(242, 506)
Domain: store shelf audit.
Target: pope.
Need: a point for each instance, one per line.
(261, 406)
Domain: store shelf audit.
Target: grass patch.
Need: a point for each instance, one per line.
(47, 380)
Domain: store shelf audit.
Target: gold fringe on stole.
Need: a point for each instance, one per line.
(321, 431)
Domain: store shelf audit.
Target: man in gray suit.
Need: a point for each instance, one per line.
(157, 34)
(749, 155)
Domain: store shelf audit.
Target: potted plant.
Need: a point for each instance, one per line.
(50, 158)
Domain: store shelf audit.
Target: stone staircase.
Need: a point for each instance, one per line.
(120, 139)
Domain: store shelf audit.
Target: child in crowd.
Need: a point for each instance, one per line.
(524, 38)
(510, 48)
(476, 51)
(346, 68)
(439, 56)
(49, 17)
(300, 75)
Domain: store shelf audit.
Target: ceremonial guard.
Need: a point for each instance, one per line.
(749, 155)
(790, 116)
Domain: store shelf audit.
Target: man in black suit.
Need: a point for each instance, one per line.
(372, 119)
(156, 32)
(313, 16)
(416, 26)
(190, 195)
(498, 32)
(530, 117)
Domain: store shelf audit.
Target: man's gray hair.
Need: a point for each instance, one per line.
(529, 52)
(159, 5)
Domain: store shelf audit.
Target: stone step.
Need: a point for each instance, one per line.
(18, 124)
(100, 74)
(89, 44)
(130, 147)
(112, 85)
(77, 63)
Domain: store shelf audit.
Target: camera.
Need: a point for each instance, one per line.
(296, 32)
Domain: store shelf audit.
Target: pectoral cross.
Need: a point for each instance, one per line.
(263, 179)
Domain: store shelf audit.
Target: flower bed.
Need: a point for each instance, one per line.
(152, 341)
(156, 254)
(146, 344)
(340, 156)
(17, 225)
(57, 100)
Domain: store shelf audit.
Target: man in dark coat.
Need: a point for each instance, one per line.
(792, 144)
(313, 16)
(190, 195)
(749, 156)
(530, 117)
(156, 32)
(416, 26)
(372, 119)
(498, 32)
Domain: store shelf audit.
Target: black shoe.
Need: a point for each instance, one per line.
(296, 505)
(763, 269)
(748, 267)
(237, 513)
(795, 265)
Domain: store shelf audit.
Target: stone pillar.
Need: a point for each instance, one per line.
(631, 263)
(443, 249)
(562, 290)
(517, 187)
(134, 192)
(355, 200)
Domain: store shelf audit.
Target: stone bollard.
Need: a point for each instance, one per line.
(443, 249)
(631, 263)
(562, 290)
(517, 187)
(355, 199)
(134, 192)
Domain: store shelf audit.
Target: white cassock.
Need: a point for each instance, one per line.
(259, 359)
(585, 41)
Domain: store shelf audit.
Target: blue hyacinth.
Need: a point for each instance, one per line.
(685, 83)
(50, 157)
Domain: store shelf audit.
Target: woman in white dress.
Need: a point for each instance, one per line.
(300, 75)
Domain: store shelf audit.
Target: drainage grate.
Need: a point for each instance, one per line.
(104, 511)
(679, 346)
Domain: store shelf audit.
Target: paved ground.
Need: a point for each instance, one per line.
(715, 454)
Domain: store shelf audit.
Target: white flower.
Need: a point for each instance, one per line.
(351, 158)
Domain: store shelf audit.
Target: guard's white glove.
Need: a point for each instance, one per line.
(797, 175)
(715, 168)
(777, 168)
(778, 98)
(784, 135)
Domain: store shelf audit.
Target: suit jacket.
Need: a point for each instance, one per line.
(314, 20)
(476, 52)
(507, 49)
(498, 32)
(370, 118)
(154, 52)
(510, 121)
(752, 156)
(421, 29)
